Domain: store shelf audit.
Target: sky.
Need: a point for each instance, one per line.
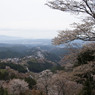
(32, 19)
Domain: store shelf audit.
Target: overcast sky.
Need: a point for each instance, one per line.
(31, 19)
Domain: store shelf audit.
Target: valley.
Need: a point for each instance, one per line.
(33, 69)
(36, 58)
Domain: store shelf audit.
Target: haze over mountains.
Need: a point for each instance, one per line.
(18, 40)
(11, 47)
(29, 59)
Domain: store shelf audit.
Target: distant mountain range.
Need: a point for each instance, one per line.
(49, 52)
(9, 41)
(17, 40)
(4, 38)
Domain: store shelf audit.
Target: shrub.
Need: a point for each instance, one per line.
(31, 82)
(3, 91)
(85, 56)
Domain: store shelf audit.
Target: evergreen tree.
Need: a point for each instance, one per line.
(3, 91)
(88, 85)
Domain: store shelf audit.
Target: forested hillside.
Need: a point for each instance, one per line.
(63, 66)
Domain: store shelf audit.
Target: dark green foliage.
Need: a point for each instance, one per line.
(86, 56)
(4, 75)
(38, 66)
(12, 51)
(10, 54)
(17, 67)
(31, 82)
(88, 85)
(52, 57)
(55, 68)
(3, 91)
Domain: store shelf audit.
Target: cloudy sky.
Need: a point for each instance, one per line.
(31, 19)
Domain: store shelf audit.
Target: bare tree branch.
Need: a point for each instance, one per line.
(82, 31)
(75, 6)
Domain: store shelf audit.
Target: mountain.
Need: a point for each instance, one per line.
(43, 54)
(18, 40)
(5, 38)
(36, 42)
